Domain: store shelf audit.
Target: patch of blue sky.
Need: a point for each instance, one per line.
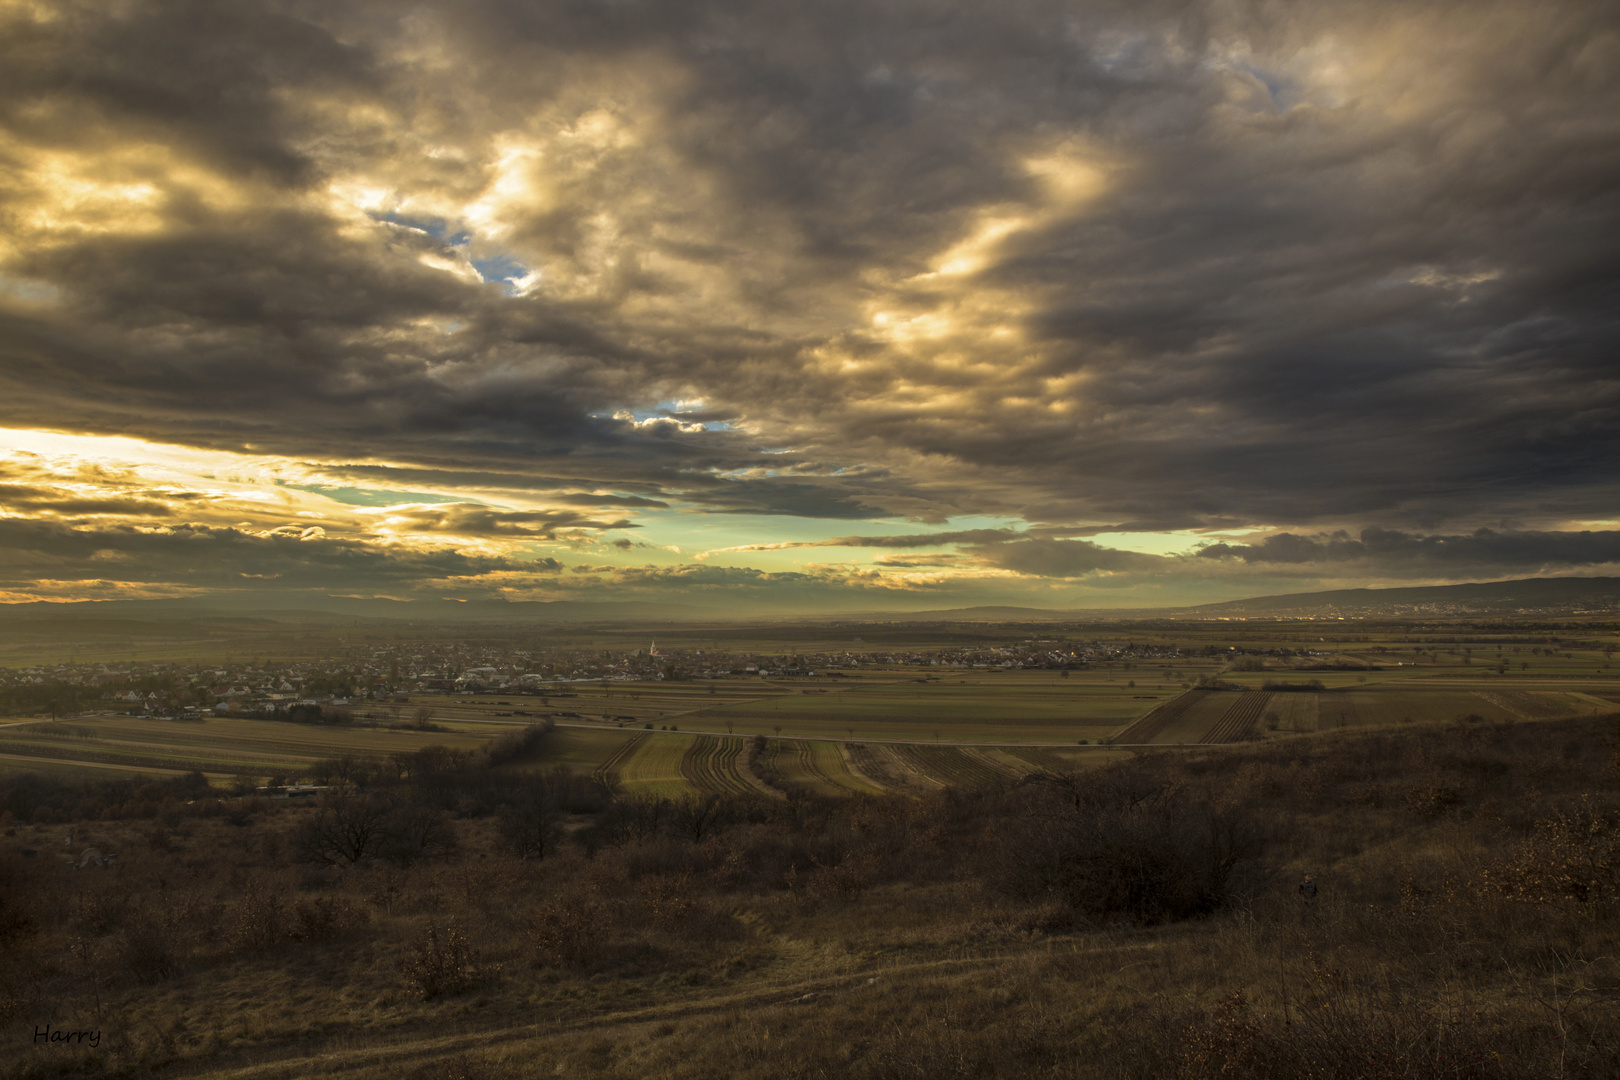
(436, 227)
(672, 410)
(29, 290)
(1285, 92)
(353, 496)
(501, 270)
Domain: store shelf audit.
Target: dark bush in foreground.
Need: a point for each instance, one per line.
(1120, 844)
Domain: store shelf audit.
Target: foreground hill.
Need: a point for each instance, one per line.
(1142, 920)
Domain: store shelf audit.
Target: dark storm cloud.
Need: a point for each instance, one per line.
(26, 497)
(223, 558)
(1390, 548)
(1161, 263)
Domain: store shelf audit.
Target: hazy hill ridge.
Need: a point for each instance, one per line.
(1595, 595)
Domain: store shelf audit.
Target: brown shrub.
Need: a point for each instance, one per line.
(147, 950)
(1430, 800)
(1338, 1037)
(564, 935)
(442, 963)
(324, 918)
(1573, 856)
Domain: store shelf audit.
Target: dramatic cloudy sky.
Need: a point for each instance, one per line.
(828, 305)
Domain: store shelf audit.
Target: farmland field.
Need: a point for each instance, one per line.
(818, 765)
(839, 728)
(1002, 707)
(1296, 712)
(653, 766)
(954, 765)
(1240, 719)
(1149, 728)
(712, 764)
(579, 749)
(1198, 720)
(219, 746)
(883, 766)
(837, 739)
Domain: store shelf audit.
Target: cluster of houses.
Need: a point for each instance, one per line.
(372, 672)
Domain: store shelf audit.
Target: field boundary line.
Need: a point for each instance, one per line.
(608, 772)
(1066, 743)
(162, 770)
(1145, 728)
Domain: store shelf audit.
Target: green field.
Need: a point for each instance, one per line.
(218, 746)
(892, 703)
(653, 766)
(1198, 716)
(715, 764)
(914, 735)
(846, 730)
(1034, 706)
(1193, 725)
(819, 766)
(578, 749)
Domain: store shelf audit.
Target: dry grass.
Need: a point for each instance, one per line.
(1466, 927)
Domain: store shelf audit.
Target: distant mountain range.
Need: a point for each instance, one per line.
(1596, 594)
(1566, 595)
(1536, 595)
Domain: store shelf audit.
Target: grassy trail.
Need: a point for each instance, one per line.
(516, 1040)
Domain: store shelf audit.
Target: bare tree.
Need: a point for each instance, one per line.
(528, 824)
(347, 828)
(697, 815)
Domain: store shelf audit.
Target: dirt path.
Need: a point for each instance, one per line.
(400, 1053)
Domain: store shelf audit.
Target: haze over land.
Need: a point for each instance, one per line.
(805, 308)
